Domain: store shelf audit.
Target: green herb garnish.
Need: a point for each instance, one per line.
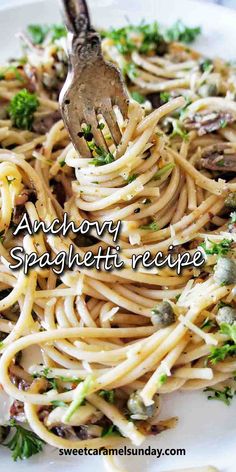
(178, 130)
(24, 443)
(206, 65)
(38, 33)
(102, 156)
(229, 330)
(111, 430)
(21, 109)
(182, 33)
(125, 39)
(224, 396)
(138, 97)
(162, 379)
(108, 395)
(57, 403)
(221, 249)
(219, 354)
(163, 170)
(152, 226)
(165, 97)
(131, 178)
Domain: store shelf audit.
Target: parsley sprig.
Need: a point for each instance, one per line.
(180, 32)
(226, 395)
(22, 108)
(38, 33)
(221, 249)
(219, 354)
(24, 443)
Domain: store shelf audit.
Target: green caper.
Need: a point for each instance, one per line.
(163, 315)
(230, 201)
(226, 314)
(208, 90)
(225, 271)
(4, 431)
(138, 410)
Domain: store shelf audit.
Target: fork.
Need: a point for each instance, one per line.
(93, 86)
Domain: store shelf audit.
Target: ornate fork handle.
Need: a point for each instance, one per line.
(84, 41)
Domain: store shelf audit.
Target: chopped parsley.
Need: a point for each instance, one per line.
(62, 163)
(207, 323)
(102, 156)
(226, 395)
(229, 330)
(101, 126)
(142, 38)
(138, 97)
(152, 226)
(111, 430)
(108, 395)
(70, 379)
(182, 33)
(165, 97)
(84, 389)
(24, 443)
(130, 70)
(163, 170)
(221, 249)
(57, 403)
(131, 178)
(21, 109)
(162, 379)
(45, 374)
(178, 130)
(206, 65)
(219, 354)
(38, 33)
(86, 133)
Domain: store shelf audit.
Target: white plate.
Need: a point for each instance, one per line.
(206, 429)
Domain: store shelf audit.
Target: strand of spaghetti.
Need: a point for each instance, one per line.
(25, 321)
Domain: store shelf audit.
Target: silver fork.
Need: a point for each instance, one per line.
(93, 86)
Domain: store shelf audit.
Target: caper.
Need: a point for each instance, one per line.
(230, 201)
(226, 314)
(4, 431)
(225, 271)
(208, 90)
(138, 410)
(163, 315)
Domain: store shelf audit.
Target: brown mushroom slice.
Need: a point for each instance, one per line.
(208, 122)
(221, 157)
(43, 123)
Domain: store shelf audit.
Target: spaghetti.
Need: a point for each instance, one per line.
(114, 342)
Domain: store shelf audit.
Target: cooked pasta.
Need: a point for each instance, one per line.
(114, 343)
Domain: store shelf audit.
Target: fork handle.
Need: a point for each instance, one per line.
(76, 16)
(84, 44)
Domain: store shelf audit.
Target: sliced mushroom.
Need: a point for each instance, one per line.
(17, 411)
(207, 122)
(221, 157)
(43, 123)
